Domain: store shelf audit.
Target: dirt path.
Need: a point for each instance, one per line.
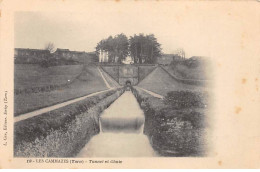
(107, 84)
(109, 79)
(150, 92)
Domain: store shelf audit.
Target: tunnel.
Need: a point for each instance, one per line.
(128, 83)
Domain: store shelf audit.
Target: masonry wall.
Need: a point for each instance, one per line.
(132, 73)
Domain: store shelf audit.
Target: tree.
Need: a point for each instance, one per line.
(144, 49)
(121, 46)
(180, 52)
(50, 46)
(116, 47)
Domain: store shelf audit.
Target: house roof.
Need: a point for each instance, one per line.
(198, 58)
(68, 51)
(59, 49)
(27, 49)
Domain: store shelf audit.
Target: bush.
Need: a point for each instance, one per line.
(40, 126)
(61, 135)
(174, 127)
(61, 142)
(184, 99)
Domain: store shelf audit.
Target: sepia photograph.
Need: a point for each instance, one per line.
(148, 84)
(81, 90)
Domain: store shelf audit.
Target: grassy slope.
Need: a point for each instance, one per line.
(182, 71)
(112, 71)
(144, 71)
(62, 132)
(174, 130)
(89, 81)
(111, 81)
(160, 82)
(27, 76)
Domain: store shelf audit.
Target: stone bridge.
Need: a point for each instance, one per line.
(128, 73)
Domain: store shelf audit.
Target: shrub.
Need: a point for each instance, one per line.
(184, 99)
(66, 140)
(40, 126)
(174, 127)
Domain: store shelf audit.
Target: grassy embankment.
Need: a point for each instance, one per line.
(48, 86)
(144, 71)
(31, 75)
(161, 83)
(111, 81)
(112, 71)
(62, 132)
(199, 69)
(177, 125)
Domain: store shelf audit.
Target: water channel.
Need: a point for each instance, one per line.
(121, 131)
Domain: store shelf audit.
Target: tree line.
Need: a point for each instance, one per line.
(141, 48)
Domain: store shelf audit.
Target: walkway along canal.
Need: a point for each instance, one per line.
(121, 131)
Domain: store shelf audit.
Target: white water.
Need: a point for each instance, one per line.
(121, 132)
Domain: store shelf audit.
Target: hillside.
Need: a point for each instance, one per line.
(195, 68)
(111, 81)
(160, 82)
(87, 82)
(144, 71)
(112, 71)
(30, 75)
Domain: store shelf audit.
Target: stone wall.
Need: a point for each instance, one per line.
(132, 73)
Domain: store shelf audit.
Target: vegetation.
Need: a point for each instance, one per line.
(160, 82)
(117, 48)
(62, 132)
(113, 71)
(185, 99)
(80, 83)
(194, 68)
(56, 62)
(50, 46)
(144, 71)
(180, 53)
(110, 79)
(142, 48)
(30, 76)
(174, 129)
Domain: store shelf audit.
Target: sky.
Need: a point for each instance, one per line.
(183, 27)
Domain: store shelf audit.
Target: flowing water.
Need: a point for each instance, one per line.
(121, 131)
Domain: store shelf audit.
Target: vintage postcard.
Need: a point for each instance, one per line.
(130, 84)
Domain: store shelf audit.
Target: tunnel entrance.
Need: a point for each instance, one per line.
(128, 83)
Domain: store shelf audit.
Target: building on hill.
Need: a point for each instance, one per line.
(79, 56)
(35, 56)
(67, 54)
(92, 57)
(167, 59)
(86, 57)
(177, 58)
(26, 55)
(197, 60)
(62, 53)
(201, 58)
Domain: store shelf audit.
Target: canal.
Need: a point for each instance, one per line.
(121, 131)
